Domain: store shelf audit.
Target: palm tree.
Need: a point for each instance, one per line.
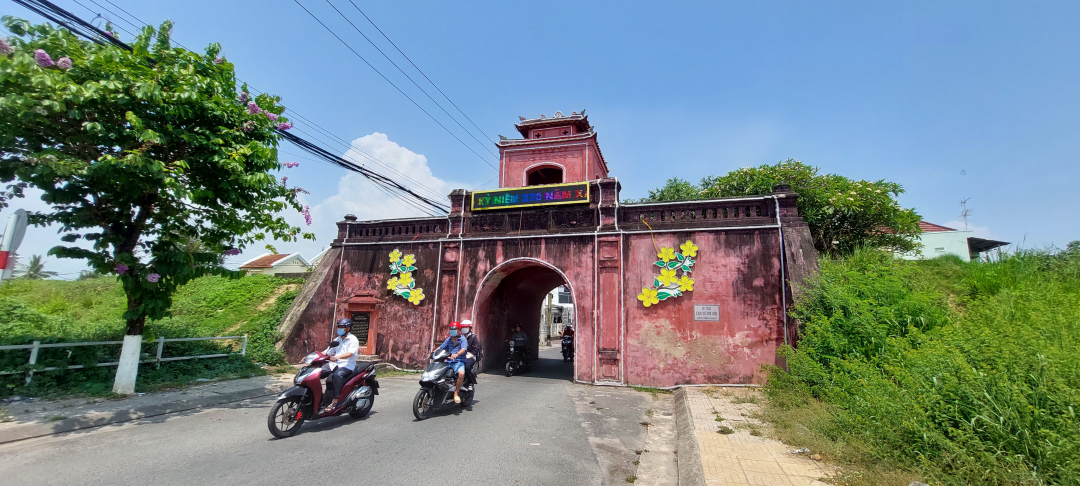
(35, 270)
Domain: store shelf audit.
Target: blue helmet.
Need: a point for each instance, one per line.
(345, 323)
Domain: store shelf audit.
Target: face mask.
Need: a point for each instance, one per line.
(453, 332)
(465, 332)
(340, 332)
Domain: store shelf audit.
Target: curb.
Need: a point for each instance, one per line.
(689, 456)
(34, 430)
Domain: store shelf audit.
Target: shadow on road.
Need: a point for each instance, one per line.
(549, 366)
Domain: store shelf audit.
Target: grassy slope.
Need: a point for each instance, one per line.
(90, 310)
(958, 373)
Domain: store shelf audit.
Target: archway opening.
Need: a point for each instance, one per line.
(544, 175)
(516, 293)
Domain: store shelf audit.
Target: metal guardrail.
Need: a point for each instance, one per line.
(161, 340)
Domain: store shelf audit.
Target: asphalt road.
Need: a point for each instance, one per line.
(519, 430)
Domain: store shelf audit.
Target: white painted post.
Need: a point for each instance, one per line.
(160, 347)
(33, 360)
(243, 348)
(128, 369)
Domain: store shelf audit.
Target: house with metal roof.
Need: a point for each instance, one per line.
(276, 264)
(937, 240)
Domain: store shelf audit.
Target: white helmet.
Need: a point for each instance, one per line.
(466, 322)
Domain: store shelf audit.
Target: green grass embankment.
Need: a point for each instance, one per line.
(950, 372)
(91, 310)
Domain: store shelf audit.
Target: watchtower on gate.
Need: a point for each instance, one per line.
(552, 151)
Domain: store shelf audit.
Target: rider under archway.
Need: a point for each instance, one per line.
(514, 293)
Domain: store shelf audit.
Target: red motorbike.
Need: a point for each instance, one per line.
(306, 400)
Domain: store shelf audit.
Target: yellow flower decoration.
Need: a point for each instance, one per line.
(392, 283)
(409, 260)
(666, 254)
(415, 296)
(688, 249)
(395, 256)
(406, 279)
(648, 296)
(667, 277)
(686, 283)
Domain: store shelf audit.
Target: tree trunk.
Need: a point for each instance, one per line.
(128, 369)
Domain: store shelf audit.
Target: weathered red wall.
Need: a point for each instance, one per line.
(737, 270)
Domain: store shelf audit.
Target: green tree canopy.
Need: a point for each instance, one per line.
(843, 214)
(151, 156)
(34, 270)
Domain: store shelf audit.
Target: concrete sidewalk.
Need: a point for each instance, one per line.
(742, 457)
(37, 418)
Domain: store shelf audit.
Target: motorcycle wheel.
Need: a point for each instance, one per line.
(283, 421)
(565, 356)
(363, 406)
(509, 369)
(421, 405)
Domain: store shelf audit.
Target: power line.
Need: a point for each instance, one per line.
(343, 142)
(86, 30)
(422, 90)
(346, 44)
(419, 70)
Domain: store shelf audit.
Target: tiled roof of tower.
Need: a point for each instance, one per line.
(581, 121)
(933, 228)
(265, 261)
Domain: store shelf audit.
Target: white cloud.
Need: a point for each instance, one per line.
(355, 195)
(976, 231)
(358, 196)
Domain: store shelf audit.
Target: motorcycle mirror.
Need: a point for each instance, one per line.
(334, 343)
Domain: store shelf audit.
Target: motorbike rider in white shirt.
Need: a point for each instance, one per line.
(343, 360)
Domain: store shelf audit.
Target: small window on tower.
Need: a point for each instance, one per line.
(544, 175)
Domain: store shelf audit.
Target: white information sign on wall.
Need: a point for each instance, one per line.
(706, 312)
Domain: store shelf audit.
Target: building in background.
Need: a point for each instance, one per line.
(939, 241)
(557, 312)
(280, 265)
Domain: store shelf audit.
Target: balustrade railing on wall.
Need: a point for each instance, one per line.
(709, 213)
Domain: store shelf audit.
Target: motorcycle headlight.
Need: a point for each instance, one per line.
(303, 374)
(309, 358)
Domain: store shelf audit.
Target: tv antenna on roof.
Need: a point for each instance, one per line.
(964, 212)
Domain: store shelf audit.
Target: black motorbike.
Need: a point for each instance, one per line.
(517, 361)
(437, 387)
(568, 347)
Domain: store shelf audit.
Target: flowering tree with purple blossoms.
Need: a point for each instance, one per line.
(150, 158)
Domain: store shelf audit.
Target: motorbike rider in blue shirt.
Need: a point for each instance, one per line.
(457, 345)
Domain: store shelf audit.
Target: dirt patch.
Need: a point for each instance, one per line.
(269, 302)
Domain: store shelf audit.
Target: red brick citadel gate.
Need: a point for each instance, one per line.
(664, 294)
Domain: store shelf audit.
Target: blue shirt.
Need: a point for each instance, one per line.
(455, 344)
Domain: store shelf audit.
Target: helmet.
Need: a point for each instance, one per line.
(345, 323)
(466, 323)
(455, 326)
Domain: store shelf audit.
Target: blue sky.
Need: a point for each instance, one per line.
(956, 100)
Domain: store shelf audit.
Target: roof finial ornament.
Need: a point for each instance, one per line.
(558, 114)
(582, 112)
(543, 116)
(502, 137)
(521, 118)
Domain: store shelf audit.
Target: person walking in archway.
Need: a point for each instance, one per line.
(475, 352)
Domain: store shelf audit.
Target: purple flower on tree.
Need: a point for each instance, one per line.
(153, 278)
(232, 251)
(243, 96)
(307, 214)
(5, 48)
(121, 268)
(248, 126)
(64, 63)
(299, 189)
(284, 126)
(253, 108)
(284, 179)
(271, 116)
(289, 165)
(43, 58)
(217, 60)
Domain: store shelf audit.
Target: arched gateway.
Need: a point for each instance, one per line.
(715, 273)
